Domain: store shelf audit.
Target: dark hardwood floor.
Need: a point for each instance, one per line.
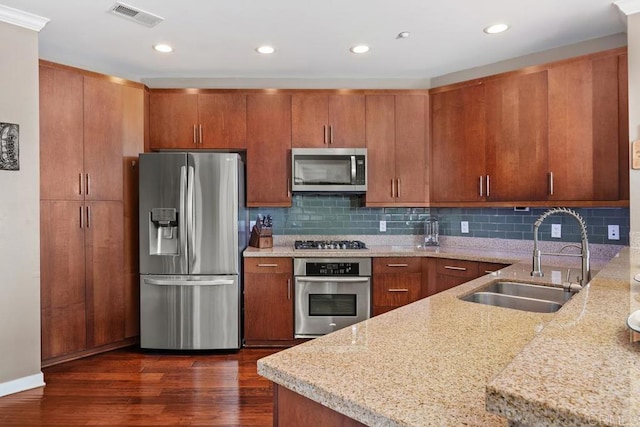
(128, 387)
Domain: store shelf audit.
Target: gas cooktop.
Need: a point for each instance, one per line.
(329, 244)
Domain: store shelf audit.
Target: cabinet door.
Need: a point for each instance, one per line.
(583, 130)
(381, 151)
(623, 127)
(103, 133)
(347, 120)
(458, 144)
(62, 278)
(268, 299)
(268, 150)
(411, 149)
(517, 137)
(173, 120)
(223, 118)
(61, 134)
(104, 275)
(310, 120)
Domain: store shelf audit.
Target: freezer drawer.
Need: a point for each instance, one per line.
(189, 312)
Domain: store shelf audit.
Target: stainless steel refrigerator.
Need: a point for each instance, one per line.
(193, 228)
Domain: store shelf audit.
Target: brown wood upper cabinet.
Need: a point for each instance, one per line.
(556, 132)
(268, 150)
(584, 129)
(197, 120)
(396, 129)
(490, 141)
(81, 130)
(328, 120)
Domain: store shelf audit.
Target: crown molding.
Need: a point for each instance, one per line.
(22, 19)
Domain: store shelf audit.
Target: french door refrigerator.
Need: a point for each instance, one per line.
(193, 228)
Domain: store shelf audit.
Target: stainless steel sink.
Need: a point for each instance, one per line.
(520, 296)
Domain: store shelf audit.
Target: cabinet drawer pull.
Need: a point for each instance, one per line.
(397, 265)
(392, 188)
(324, 133)
(398, 290)
(200, 132)
(330, 134)
(81, 218)
(88, 186)
(88, 217)
(450, 267)
(481, 192)
(195, 138)
(398, 187)
(80, 181)
(551, 183)
(267, 265)
(489, 271)
(289, 289)
(488, 188)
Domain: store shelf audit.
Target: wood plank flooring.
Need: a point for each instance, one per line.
(128, 387)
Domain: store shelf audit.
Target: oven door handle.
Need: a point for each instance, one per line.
(333, 279)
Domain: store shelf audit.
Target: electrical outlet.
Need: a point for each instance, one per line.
(464, 226)
(556, 231)
(614, 232)
(383, 225)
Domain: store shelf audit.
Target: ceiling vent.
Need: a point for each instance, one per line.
(137, 15)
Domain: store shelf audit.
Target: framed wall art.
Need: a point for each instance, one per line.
(9, 147)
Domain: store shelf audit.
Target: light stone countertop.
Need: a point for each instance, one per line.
(429, 363)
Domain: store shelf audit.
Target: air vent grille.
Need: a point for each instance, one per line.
(131, 13)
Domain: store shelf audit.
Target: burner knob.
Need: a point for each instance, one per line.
(332, 246)
(344, 246)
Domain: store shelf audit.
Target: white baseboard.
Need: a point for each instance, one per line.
(22, 384)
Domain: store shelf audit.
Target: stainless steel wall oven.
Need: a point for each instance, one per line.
(330, 294)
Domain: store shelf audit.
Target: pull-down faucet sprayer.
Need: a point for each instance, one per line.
(537, 268)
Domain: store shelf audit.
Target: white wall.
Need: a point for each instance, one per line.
(633, 33)
(20, 215)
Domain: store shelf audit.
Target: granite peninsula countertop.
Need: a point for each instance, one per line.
(442, 361)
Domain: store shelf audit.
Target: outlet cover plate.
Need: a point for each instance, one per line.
(556, 231)
(383, 225)
(464, 226)
(614, 232)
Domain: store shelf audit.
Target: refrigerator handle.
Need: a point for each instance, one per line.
(191, 219)
(182, 219)
(215, 282)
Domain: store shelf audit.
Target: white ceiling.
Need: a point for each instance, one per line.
(215, 39)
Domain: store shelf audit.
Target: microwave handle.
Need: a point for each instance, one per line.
(353, 170)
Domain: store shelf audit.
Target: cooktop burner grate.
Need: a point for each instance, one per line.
(329, 244)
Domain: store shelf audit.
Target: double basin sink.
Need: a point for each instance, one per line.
(520, 296)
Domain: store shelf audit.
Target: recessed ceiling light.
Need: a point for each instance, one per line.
(403, 35)
(162, 47)
(265, 50)
(361, 48)
(496, 28)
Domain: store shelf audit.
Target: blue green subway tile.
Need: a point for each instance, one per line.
(488, 227)
(479, 234)
(513, 219)
(481, 218)
(513, 235)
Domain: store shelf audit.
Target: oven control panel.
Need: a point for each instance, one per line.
(332, 267)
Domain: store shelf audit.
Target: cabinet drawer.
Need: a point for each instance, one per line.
(458, 268)
(489, 267)
(268, 265)
(396, 289)
(397, 265)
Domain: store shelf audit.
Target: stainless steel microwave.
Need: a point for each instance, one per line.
(334, 170)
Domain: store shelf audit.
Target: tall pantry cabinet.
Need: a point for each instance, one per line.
(86, 121)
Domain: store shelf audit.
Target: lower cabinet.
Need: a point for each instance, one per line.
(396, 282)
(268, 301)
(82, 287)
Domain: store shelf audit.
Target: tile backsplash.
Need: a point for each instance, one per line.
(346, 215)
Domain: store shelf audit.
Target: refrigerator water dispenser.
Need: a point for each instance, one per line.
(163, 231)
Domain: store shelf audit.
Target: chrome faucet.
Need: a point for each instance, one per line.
(586, 271)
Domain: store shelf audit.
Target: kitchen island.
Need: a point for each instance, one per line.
(438, 360)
